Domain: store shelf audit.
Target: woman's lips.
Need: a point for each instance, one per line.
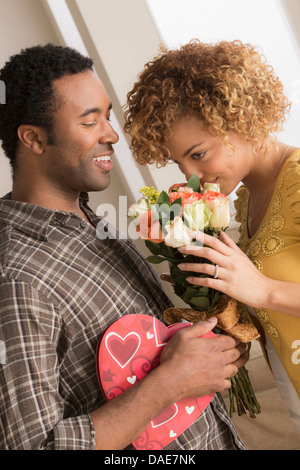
(215, 181)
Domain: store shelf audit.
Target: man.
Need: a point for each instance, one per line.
(61, 286)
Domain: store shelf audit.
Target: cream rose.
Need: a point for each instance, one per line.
(177, 234)
(197, 215)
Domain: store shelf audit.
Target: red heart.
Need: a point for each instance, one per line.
(129, 349)
(165, 416)
(161, 333)
(122, 349)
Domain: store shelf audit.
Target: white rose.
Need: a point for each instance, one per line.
(178, 234)
(197, 214)
(185, 189)
(143, 205)
(212, 187)
(220, 217)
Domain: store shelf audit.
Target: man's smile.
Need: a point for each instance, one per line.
(104, 162)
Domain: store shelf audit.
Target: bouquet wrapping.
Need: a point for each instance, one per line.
(166, 221)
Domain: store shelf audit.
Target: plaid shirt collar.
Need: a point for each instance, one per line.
(35, 221)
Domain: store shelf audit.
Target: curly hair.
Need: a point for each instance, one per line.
(30, 97)
(228, 86)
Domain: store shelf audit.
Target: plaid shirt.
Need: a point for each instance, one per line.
(61, 286)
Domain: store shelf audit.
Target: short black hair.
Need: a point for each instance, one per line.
(28, 78)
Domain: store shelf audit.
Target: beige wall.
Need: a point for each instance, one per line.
(121, 36)
(25, 23)
(22, 24)
(292, 11)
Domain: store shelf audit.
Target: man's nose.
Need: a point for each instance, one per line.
(108, 134)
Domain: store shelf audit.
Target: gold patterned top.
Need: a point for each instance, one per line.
(275, 251)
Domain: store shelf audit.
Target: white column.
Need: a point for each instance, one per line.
(291, 8)
(120, 37)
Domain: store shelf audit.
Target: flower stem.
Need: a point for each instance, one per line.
(243, 394)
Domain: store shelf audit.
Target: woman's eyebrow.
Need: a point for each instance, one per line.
(191, 149)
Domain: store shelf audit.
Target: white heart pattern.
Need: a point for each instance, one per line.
(129, 344)
(132, 379)
(189, 409)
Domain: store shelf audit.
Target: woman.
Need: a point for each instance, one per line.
(215, 110)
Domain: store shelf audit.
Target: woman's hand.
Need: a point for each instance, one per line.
(237, 276)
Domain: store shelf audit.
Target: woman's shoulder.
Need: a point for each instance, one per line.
(290, 174)
(289, 184)
(240, 203)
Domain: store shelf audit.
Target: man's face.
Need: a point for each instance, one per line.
(80, 160)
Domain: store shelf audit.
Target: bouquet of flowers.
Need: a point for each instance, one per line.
(166, 221)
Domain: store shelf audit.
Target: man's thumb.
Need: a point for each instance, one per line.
(202, 327)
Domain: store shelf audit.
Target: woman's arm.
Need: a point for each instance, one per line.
(238, 277)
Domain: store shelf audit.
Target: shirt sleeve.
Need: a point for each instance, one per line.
(32, 409)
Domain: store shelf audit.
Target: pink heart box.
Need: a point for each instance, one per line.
(128, 350)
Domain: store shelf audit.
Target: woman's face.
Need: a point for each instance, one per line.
(195, 150)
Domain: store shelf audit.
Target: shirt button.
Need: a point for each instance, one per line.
(82, 224)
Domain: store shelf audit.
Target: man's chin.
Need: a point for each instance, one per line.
(98, 186)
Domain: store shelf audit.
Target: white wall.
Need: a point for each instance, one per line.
(25, 23)
(22, 24)
(265, 24)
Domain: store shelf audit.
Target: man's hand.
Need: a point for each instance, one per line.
(196, 366)
(190, 367)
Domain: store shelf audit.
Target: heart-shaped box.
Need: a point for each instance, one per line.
(128, 350)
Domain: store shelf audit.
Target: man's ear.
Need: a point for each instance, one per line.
(33, 137)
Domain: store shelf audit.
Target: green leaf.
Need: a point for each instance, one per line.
(200, 303)
(164, 213)
(189, 294)
(194, 183)
(178, 275)
(155, 210)
(178, 202)
(204, 290)
(170, 252)
(163, 198)
(175, 208)
(179, 289)
(155, 259)
(155, 248)
(192, 259)
(216, 298)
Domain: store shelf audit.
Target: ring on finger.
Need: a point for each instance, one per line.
(216, 275)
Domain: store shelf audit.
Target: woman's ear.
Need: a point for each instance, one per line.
(258, 148)
(33, 137)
